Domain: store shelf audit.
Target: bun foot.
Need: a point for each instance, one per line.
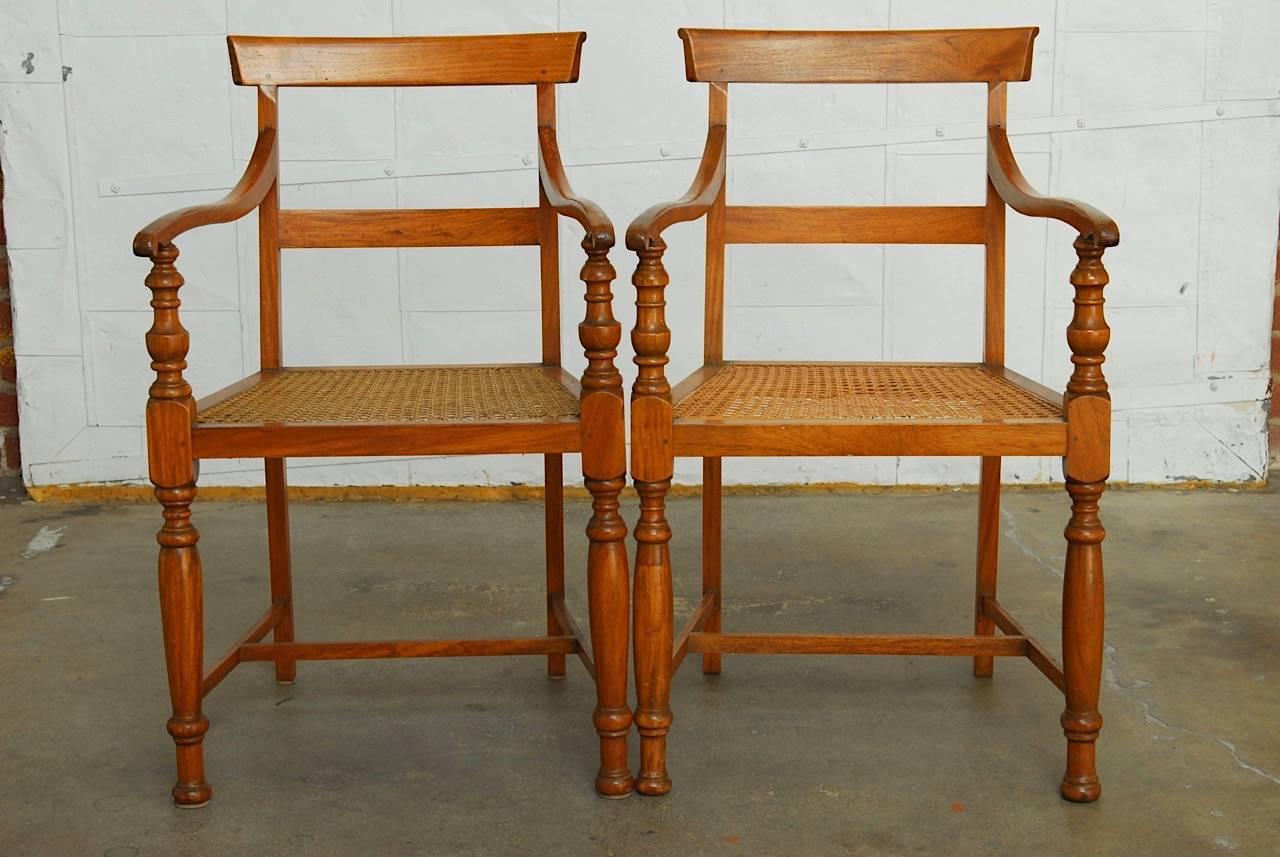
(191, 796)
(654, 786)
(615, 787)
(1082, 790)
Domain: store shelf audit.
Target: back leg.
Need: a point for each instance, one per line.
(553, 479)
(988, 556)
(281, 563)
(711, 553)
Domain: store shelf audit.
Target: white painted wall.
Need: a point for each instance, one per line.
(1161, 112)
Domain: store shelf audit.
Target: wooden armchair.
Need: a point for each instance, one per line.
(779, 409)
(282, 411)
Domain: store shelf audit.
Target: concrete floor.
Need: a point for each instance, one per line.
(795, 756)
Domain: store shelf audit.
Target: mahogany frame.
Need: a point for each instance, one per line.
(176, 441)
(1081, 436)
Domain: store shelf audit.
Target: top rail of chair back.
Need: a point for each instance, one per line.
(868, 56)
(406, 61)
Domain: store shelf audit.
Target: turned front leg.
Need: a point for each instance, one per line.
(653, 630)
(170, 412)
(1088, 412)
(604, 464)
(607, 595)
(1082, 624)
(182, 620)
(652, 466)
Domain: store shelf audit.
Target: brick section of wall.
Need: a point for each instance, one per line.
(1274, 422)
(10, 458)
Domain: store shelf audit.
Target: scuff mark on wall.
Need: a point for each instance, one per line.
(28, 64)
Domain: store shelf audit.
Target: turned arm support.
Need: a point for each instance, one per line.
(651, 338)
(259, 176)
(171, 409)
(646, 230)
(1012, 186)
(599, 332)
(555, 184)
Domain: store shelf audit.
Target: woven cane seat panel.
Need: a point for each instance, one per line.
(399, 394)
(859, 392)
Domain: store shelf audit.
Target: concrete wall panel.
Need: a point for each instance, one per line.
(1162, 114)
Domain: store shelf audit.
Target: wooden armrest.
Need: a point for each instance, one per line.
(647, 228)
(555, 184)
(258, 177)
(1017, 192)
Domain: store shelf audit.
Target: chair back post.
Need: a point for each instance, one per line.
(271, 348)
(993, 300)
(548, 242)
(713, 316)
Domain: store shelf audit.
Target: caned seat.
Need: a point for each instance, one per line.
(403, 395)
(862, 392)
(396, 409)
(982, 409)
(861, 407)
(281, 412)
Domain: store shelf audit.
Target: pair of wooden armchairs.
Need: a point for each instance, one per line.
(723, 409)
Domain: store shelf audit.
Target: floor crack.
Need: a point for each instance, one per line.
(1129, 691)
(1112, 669)
(1011, 533)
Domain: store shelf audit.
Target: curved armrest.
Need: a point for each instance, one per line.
(647, 228)
(258, 177)
(555, 184)
(1017, 192)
